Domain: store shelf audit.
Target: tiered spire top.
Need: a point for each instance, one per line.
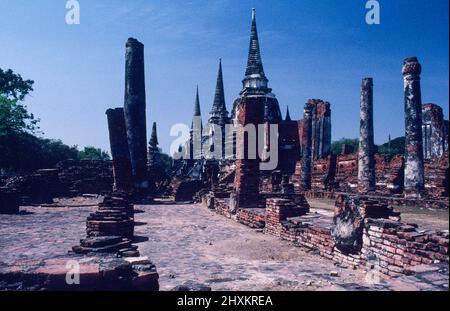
(254, 63)
(254, 73)
(219, 113)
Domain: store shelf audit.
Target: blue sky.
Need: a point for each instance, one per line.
(310, 49)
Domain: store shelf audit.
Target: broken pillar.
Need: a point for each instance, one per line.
(306, 161)
(433, 131)
(135, 119)
(348, 224)
(110, 229)
(120, 154)
(366, 160)
(350, 214)
(321, 129)
(414, 167)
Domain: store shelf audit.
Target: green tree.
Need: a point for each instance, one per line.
(92, 153)
(14, 116)
(24, 152)
(12, 85)
(166, 162)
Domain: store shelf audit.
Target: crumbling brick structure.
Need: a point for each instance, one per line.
(437, 177)
(9, 201)
(323, 173)
(39, 187)
(320, 129)
(85, 176)
(346, 178)
(389, 174)
(382, 241)
(185, 190)
(110, 229)
(279, 210)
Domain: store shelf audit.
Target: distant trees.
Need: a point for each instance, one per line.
(393, 147)
(390, 148)
(336, 146)
(21, 153)
(20, 150)
(92, 153)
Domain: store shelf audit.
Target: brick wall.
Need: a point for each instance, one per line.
(323, 173)
(436, 176)
(347, 172)
(389, 246)
(389, 174)
(393, 246)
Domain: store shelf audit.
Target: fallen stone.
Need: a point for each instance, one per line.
(334, 273)
(191, 286)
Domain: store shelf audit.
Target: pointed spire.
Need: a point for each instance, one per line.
(254, 63)
(288, 116)
(154, 137)
(254, 73)
(197, 111)
(219, 113)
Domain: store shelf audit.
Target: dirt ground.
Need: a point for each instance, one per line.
(187, 243)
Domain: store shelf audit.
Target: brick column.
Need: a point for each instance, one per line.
(135, 118)
(119, 150)
(366, 161)
(246, 182)
(414, 167)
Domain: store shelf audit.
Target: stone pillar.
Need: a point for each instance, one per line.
(366, 160)
(306, 161)
(135, 118)
(414, 167)
(120, 154)
(433, 131)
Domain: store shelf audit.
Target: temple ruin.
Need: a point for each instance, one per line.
(364, 231)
